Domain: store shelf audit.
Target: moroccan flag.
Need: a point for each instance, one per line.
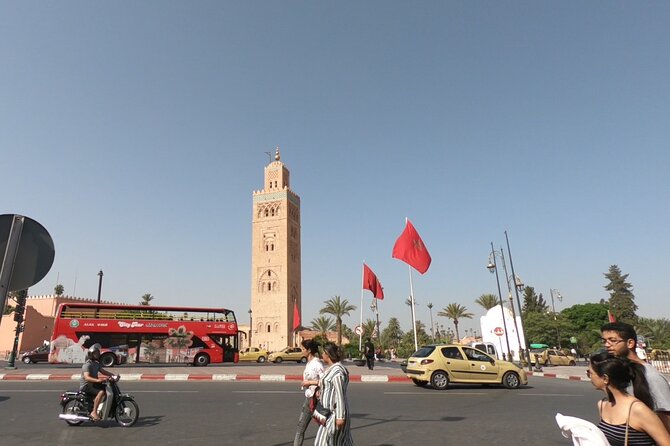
(610, 316)
(296, 316)
(370, 282)
(410, 249)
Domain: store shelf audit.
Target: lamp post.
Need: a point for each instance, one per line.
(518, 302)
(511, 303)
(100, 274)
(493, 268)
(553, 309)
(251, 327)
(432, 327)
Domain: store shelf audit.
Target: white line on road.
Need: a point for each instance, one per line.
(437, 393)
(551, 394)
(266, 391)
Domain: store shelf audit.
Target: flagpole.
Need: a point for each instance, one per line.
(411, 298)
(360, 322)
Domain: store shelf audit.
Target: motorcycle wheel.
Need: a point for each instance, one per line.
(127, 413)
(74, 407)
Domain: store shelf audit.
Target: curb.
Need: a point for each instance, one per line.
(236, 377)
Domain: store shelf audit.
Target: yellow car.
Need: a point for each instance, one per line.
(439, 365)
(254, 354)
(551, 356)
(288, 354)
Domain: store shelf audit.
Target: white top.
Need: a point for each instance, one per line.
(313, 372)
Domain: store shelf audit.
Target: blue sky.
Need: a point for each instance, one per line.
(135, 132)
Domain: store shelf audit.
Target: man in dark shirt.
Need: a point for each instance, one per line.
(369, 351)
(90, 383)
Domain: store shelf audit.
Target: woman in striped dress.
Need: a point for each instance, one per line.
(624, 419)
(333, 384)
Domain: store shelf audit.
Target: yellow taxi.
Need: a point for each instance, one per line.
(254, 354)
(442, 364)
(288, 354)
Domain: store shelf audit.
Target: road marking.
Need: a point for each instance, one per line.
(551, 394)
(267, 391)
(437, 393)
(134, 391)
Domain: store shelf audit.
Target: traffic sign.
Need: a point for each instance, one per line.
(358, 330)
(498, 331)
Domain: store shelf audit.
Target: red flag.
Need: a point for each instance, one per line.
(410, 249)
(296, 316)
(610, 316)
(370, 282)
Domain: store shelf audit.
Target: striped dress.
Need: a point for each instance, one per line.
(334, 385)
(616, 433)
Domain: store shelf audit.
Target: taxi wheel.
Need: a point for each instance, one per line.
(511, 380)
(573, 363)
(26, 360)
(419, 383)
(279, 360)
(261, 359)
(439, 380)
(303, 360)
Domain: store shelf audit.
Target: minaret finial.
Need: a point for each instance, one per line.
(277, 154)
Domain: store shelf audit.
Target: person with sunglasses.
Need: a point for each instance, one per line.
(625, 419)
(620, 339)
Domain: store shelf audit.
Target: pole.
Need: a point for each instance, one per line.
(251, 327)
(379, 333)
(432, 327)
(502, 309)
(99, 285)
(518, 302)
(18, 317)
(553, 309)
(411, 299)
(360, 321)
(511, 304)
(9, 257)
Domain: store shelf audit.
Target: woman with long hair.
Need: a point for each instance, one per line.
(624, 419)
(310, 379)
(336, 431)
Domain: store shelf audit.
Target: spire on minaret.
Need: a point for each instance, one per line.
(277, 154)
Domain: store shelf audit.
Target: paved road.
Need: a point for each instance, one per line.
(265, 413)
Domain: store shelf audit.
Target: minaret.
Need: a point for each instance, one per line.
(275, 259)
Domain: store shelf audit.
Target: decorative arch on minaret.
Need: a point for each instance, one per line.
(268, 282)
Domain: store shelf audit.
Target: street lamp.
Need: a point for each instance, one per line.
(99, 284)
(553, 309)
(251, 327)
(517, 283)
(493, 268)
(432, 327)
(518, 302)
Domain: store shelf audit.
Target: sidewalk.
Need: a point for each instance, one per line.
(383, 372)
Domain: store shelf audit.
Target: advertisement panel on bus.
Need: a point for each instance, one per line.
(137, 334)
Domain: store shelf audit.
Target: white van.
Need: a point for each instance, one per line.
(487, 347)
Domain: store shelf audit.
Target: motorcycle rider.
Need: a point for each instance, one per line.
(90, 383)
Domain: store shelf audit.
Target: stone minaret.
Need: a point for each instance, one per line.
(275, 259)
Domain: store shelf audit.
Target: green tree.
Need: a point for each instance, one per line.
(59, 290)
(406, 347)
(369, 327)
(323, 324)
(392, 334)
(656, 331)
(487, 301)
(146, 299)
(455, 312)
(622, 300)
(541, 328)
(532, 303)
(338, 308)
(586, 320)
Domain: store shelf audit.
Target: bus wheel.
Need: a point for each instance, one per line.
(201, 360)
(108, 360)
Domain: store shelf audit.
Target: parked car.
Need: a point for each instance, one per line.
(551, 356)
(254, 354)
(115, 355)
(442, 364)
(288, 354)
(36, 355)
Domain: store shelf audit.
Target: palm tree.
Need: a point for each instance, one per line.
(455, 312)
(432, 327)
(487, 301)
(337, 307)
(146, 299)
(323, 324)
(369, 327)
(59, 290)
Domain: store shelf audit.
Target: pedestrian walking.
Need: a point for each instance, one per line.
(333, 387)
(625, 419)
(369, 351)
(310, 380)
(620, 339)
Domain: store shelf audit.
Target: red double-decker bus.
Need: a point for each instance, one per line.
(144, 334)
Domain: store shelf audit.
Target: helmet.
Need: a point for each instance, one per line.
(94, 351)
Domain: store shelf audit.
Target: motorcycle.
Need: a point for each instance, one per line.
(77, 406)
